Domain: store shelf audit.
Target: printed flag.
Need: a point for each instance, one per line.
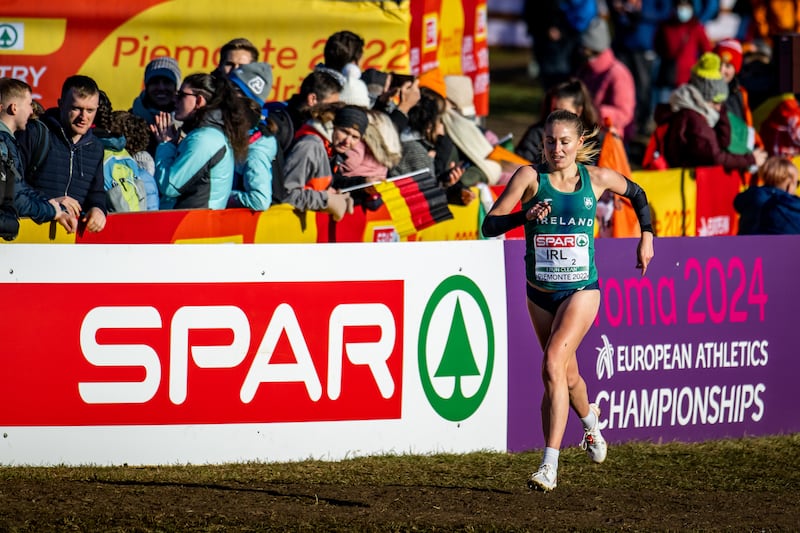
(414, 201)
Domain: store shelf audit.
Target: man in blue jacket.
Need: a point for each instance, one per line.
(72, 173)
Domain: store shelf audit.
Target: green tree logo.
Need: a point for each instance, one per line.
(8, 36)
(457, 360)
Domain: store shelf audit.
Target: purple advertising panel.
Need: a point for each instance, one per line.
(704, 347)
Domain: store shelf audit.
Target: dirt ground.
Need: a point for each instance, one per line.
(86, 505)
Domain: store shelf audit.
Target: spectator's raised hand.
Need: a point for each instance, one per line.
(409, 96)
(164, 128)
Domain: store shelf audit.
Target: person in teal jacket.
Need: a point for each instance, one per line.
(252, 185)
(559, 200)
(197, 172)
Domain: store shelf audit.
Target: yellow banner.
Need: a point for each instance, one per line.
(289, 35)
(673, 205)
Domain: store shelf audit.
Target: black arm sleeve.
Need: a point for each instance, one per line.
(494, 225)
(638, 199)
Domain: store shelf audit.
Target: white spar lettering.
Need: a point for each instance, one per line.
(555, 240)
(374, 355)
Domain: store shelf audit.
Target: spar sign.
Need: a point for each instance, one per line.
(217, 353)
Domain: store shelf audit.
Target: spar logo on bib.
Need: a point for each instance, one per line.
(569, 240)
(456, 367)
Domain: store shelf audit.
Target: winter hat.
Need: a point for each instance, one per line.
(355, 91)
(707, 78)
(459, 90)
(469, 138)
(730, 51)
(596, 38)
(351, 116)
(434, 80)
(166, 67)
(254, 79)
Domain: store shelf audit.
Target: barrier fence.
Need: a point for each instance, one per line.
(152, 354)
(684, 202)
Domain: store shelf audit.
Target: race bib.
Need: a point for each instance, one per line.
(562, 258)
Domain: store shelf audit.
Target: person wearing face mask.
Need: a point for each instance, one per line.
(679, 43)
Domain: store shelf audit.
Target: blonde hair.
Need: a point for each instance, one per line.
(776, 171)
(589, 151)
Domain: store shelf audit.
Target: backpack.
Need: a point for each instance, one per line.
(278, 114)
(654, 153)
(40, 141)
(125, 191)
(9, 221)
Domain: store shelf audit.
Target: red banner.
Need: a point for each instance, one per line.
(716, 190)
(205, 353)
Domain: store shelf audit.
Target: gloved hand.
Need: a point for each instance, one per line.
(338, 205)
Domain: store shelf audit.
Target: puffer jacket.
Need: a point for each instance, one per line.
(71, 169)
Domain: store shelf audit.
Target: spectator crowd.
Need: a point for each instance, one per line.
(697, 80)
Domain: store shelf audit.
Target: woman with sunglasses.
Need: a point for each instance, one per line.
(196, 171)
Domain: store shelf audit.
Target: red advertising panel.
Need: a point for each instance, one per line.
(202, 353)
(716, 190)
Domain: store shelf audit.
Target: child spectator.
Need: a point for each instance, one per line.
(772, 208)
(137, 136)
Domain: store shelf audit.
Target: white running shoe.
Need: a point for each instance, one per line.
(593, 441)
(543, 479)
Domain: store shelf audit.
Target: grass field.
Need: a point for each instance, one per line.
(733, 485)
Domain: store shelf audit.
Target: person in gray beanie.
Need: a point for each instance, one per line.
(255, 81)
(252, 178)
(162, 76)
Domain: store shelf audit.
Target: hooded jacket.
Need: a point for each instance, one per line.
(767, 210)
(198, 172)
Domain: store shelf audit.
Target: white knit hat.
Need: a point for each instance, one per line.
(460, 91)
(355, 90)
